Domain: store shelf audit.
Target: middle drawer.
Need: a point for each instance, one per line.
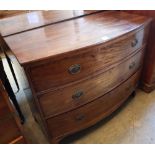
(73, 96)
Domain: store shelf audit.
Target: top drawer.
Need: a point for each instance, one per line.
(56, 73)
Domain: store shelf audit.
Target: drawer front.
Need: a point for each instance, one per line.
(67, 98)
(8, 130)
(89, 114)
(60, 72)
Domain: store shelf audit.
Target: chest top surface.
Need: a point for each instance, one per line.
(58, 39)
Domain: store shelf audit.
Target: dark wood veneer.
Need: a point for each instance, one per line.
(102, 56)
(59, 39)
(89, 114)
(34, 19)
(59, 101)
(81, 70)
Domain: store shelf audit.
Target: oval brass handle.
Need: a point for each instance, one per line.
(134, 42)
(74, 69)
(132, 65)
(77, 95)
(80, 117)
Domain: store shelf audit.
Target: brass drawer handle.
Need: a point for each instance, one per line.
(80, 117)
(74, 69)
(134, 42)
(77, 95)
(132, 65)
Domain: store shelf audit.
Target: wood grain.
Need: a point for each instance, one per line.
(53, 101)
(28, 20)
(10, 13)
(89, 114)
(57, 102)
(109, 46)
(62, 38)
(102, 56)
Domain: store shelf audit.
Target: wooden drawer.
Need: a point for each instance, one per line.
(83, 63)
(8, 130)
(70, 97)
(90, 113)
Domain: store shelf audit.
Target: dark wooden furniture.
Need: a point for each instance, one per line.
(10, 127)
(81, 70)
(148, 73)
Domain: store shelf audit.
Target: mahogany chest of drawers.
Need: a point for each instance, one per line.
(81, 70)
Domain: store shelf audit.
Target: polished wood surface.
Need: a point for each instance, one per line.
(102, 56)
(51, 103)
(86, 116)
(10, 13)
(34, 19)
(75, 66)
(148, 76)
(10, 127)
(68, 36)
(104, 66)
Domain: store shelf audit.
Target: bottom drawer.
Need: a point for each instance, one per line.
(92, 112)
(8, 130)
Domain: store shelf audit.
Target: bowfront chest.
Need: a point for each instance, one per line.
(81, 70)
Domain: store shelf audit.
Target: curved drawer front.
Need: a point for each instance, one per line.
(67, 98)
(89, 114)
(57, 73)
